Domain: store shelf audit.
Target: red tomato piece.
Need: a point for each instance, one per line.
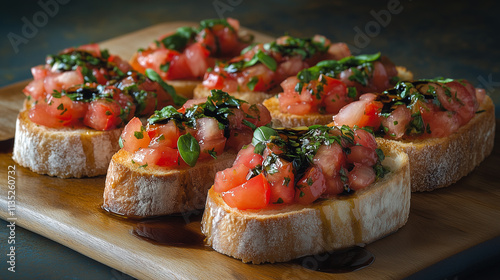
(254, 194)
(361, 176)
(161, 156)
(310, 187)
(134, 136)
(363, 155)
(248, 158)
(230, 177)
(163, 135)
(282, 181)
(103, 114)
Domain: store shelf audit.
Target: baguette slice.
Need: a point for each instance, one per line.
(290, 120)
(138, 192)
(63, 152)
(286, 232)
(440, 162)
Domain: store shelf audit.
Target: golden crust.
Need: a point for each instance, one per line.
(63, 152)
(280, 119)
(283, 233)
(439, 162)
(133, 191)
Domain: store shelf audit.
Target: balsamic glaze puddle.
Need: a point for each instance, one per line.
(343, 261)
(185, 231)
(176, 231)
(6, 146)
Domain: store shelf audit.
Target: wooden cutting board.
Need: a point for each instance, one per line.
(441, 224)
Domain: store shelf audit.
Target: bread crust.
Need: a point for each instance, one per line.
(63, 152)
(252, 97)
(440, 162)
(280, 119)
(138, 192)
(283, 233)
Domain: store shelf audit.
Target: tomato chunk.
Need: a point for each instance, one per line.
(134, 136)
(248, 158)
(253, 194)
(230, 178)
(310, 187)
(282, 181)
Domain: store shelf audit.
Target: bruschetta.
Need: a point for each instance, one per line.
(446, 126)
(255, 75)
(168, 165)
(72, 131)
(317, 93)
(297, 192)
(181, 58)
(74, 66)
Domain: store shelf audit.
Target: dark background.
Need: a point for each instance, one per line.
(431, 38)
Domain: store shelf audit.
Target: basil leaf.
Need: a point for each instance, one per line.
(251, 84)
(263, 134)
(266, 60)
(166, 113)
(153, 76)
(189, 149)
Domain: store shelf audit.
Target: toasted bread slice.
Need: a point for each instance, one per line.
(286, 232)
(439, 162)
(281, 119)
(134, 191)
(63, 152)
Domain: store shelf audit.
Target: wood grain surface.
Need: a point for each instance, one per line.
(441, 224)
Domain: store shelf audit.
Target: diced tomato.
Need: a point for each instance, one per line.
(123, 65)
(441, 123)
(335, 95)
(247, 157)
(39, 72)
(35, 89)
(361, 176)
(310, 187)
(239, 138)
(198, 60)
(91, 48)
(163, 135)
(60, 81)
(254, 194)
(380, 80)
(258, 114)
(134, 136)
(362, 154)
(456, 98)
(365, 138)
(230, 177)
(362, 113)
(334, 186)
(330, 159)
(100, 75)
(213, 80)
(103, 115)
(282, 182)
(39, 114)
(210, 136)
(397, 122)
(339, 50)
(160, 156)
